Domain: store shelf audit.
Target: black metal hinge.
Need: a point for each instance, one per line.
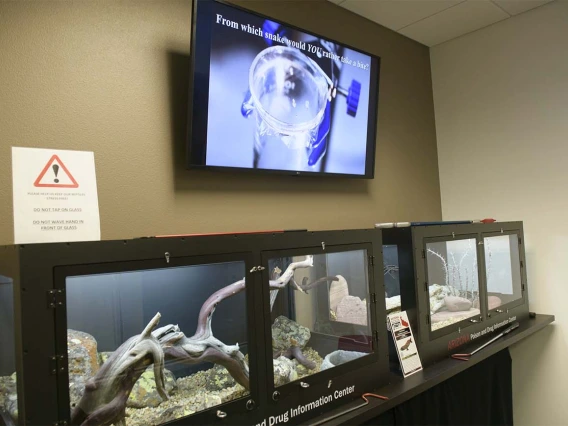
(522, 264)
(372, 260)
(427, 319)
(425, 285)
(373, 298)
(520, 241)
(423, 254)
(522, 286)
(57, 364)
(376, 334)
(55, 298)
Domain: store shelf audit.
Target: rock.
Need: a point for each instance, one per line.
(208, 401)
(352, 310)
(11, 406)
(174, 413)
(284, 371)
(219, 379)
(83, 362)
(337, 291)
(493, 302)
(457, 304)
(392, 303)
(455, 316)
(312, 355)
(340, 357)
(9, 396)
(144, 393)
(103, 356)
(438, 294)
(288, 334)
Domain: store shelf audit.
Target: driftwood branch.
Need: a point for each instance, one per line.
(203, 346)
(104, 400)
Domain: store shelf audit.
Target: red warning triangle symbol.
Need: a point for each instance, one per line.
(54, 182)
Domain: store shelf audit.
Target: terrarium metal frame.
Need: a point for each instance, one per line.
(481, 294)
(229, 408)
(39, 272)
(413, 275)
(505, 307)
(290, 395)
(366, 360)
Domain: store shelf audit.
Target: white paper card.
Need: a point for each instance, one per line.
(405, 344)
(55, 196)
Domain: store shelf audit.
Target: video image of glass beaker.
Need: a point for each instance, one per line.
(288, 98)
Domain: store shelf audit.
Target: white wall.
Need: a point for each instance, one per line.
(501, 102)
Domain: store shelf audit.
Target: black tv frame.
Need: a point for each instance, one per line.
(200, 115)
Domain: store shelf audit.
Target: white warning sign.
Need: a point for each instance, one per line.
(55, 196)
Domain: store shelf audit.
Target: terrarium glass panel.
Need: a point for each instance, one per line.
(391, 278)
(150, 346)
(453, 281)
(8, 379)
(320, 312)
(503, 270)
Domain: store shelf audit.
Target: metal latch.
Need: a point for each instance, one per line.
(55, 298)
(257, 269)
(57, 364)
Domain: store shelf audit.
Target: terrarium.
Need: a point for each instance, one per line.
(453, 282)
(503, 271)
(457, 281)
(8, 376)
(320, 312)
(391, 271)
(149, 346)
(179, 330)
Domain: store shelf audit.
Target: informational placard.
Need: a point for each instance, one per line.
(405, 344)
(55, 196)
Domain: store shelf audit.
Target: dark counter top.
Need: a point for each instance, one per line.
(400, 390)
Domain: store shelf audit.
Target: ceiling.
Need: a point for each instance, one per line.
(432, 22)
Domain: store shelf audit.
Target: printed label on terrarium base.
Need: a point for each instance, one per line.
(405, 344)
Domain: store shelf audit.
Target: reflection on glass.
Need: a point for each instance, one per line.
(453, 281)
(124, 367)
(503, 270)
(391, 277)
(8, 389)
(320, 312)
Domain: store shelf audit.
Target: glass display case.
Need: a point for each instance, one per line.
(503, 271)
(8, 376)
(453, 281)
(320, 312)
(169, 342)
(391, 272)
(458, 282)
(185, 331)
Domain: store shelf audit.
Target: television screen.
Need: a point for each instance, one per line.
(268, 96)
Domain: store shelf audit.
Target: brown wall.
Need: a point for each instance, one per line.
(111, 77)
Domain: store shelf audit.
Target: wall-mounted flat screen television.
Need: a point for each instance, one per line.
(268, 96)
